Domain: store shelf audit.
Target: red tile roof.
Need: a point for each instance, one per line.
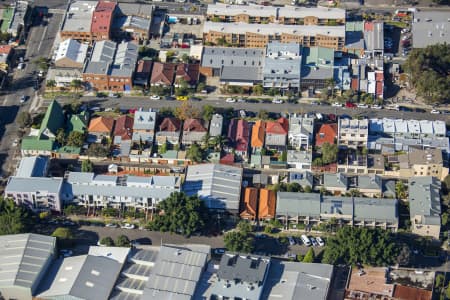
(355, 84)
(189, 72)
(379, 88)
(326, 134)
(102, 17)
(5, 49)
(411, 293)
(124, 127)
(280, 126)
(228, 159)
(101, 125)
(267, 204)
(379, 76)
(163, 73)
(194, 125)
(250, 203)
(242, 135)
(170, 124)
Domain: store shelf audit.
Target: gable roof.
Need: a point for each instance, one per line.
(242, 135)
(280, 126)
(170, 124)
(78, 122)
(53, 119)
(258, 133)
(163, 73)
(124, 127)
(101, 124)
(267, 203)
(326, 134)
(194, 125)
(189, 72)
(250, 203)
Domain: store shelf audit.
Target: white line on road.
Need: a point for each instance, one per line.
(42, 38)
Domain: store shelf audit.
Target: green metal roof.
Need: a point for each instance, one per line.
(78, 122)
(319, 56)
(6, 18)
(53, 119)
(354, 26)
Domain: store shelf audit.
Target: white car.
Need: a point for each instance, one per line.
(376, 106)
(21, 66)
(314, 242)
(230, 100)
(242, 113)
(362, 105)
(435, 112)
(336, 104)
(127, 226)
(111, 225)
(155, 97)
(277, 101)
(320, 241)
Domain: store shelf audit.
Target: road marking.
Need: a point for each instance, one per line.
(42, 38)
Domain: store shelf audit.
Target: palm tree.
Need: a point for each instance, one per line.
(51, 84)
(76, 84)
(218, 142)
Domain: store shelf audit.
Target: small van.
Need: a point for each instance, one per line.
(306, 240)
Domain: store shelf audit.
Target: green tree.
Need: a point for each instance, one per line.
(97, 150)
(185, 58)
(245, 227)
(218, 142)
(122, 241)
(400, 190)
(186, 111)
(208, 112)
(87, 166)
(181, 214)
(293, 187)
(447, 292)
(283, 156)
(258, 90)
(51, 84)
(352, 245)
(75, 139)
(24, 119)
(194, 153)
(307, 189)
(76, 84)
(329, 153)
(163, 148)
(60, 136)
(107, 241)
(444, 218)
(238, 242)
(263, 114)
(428, 72)
(63, 233)
(310, 256)
(41, 63)
(200, 87)
(13, 219)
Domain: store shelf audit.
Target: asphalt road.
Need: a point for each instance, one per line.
(39, 44)
(146, 103)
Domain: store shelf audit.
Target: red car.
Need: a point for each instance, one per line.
(350, 105)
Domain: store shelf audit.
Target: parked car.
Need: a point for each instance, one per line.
(376, 106)
(435, 112)
(336, 104)
(362, 105)
(242, 113)
(241, 100)
(320, 241)
(21, 66)
(277, 101)
(314, 242)
(182, 98)
(350, 104)
(219, 251)
(111, 225)
(155, 97)
(291, 241)
(128, 226)
(23, 99)
(230, 100)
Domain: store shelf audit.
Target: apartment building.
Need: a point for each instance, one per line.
(259, 35)
(313, 209)
(353, 133)
(100, 191)
(428, 162)
(286, 15)
(111, 66)
(425, 205)
(78, 20)
(36, 193)
(102, 20)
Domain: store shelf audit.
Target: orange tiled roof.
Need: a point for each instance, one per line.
(267, 204)
(326, 134)
(101, 124)
(258, 133)
(411, 293)
(280, 126)
(250, 201)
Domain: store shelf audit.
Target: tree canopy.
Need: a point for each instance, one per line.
(429, 70)
(180, 214)
(63, 233)
(13, 219)
(122, 241)
(352, 245)
(240, 240)
(194, 153)
(329, 153)
(310, 256)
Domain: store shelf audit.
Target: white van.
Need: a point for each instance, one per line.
(306, 240)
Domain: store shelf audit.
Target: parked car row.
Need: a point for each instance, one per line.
(349, 104)
(307, 241)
